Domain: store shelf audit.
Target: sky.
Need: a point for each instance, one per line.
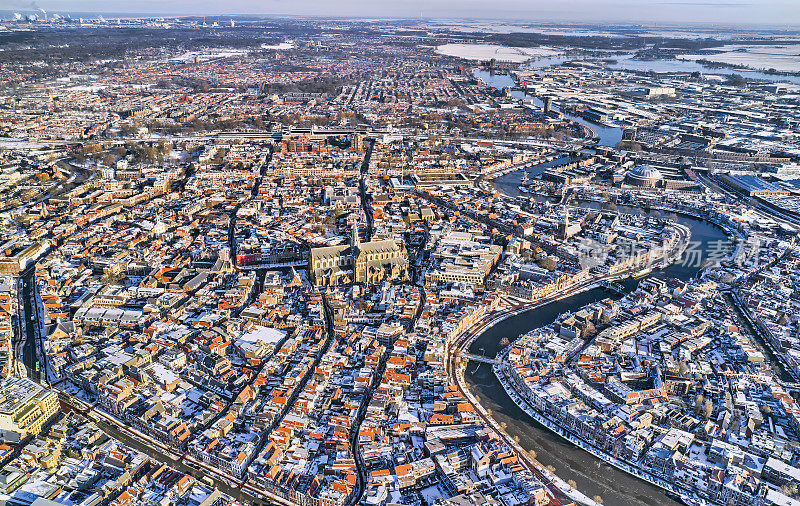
(744, 12)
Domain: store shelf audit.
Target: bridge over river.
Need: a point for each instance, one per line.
(480, 358)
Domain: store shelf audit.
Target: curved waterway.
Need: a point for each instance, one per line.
(592, 476)
(609, 136)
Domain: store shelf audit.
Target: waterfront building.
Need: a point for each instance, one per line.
(644, 176)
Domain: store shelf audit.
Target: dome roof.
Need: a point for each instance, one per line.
(645, 172)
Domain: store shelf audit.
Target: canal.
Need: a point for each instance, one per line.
(593, 477)
(609, 136)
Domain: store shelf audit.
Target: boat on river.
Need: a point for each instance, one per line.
(523, 187)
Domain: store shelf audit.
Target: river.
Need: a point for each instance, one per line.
(663, 66)
(609, 136)
(592, 476)
(509, 183)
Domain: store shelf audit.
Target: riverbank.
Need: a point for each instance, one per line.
(555, 483)
(592, 475)
(552, 425)
(456, 370)
(609, 136)
(763, 334)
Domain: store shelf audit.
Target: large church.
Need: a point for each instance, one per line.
(367, 263)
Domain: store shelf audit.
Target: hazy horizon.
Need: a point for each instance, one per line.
(780, 13)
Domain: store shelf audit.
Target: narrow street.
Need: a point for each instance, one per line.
(326, 345)
(362, 190)
(750, 327)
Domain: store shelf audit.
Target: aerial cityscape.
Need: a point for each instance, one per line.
(307, 260)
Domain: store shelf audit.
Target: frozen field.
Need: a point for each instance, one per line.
(208, 55)
(483, 52)
(279, 47)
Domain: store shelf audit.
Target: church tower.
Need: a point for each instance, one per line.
(563, 228)
(355, 254)
(355, 241)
